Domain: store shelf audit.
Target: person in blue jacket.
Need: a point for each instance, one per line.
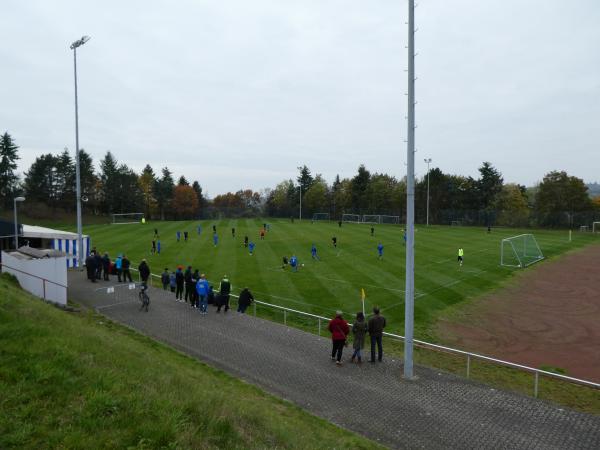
(380, 250)
(313, 252)
(202, 288)
(251, 247)
(119, 267)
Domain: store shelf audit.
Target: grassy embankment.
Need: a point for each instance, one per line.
(76, 380)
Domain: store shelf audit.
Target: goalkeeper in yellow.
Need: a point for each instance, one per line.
(460, 256)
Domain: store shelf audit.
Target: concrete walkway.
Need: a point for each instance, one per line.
(434, 411)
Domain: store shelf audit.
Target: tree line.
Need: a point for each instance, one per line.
(49, 185)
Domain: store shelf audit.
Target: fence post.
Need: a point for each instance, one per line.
(319, 326)
(44, 287)
(468, 365)
(284, 317)
(254, 309)
(535, 384)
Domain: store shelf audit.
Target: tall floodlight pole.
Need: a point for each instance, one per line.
(409, 302)
(300, 187)
(74, 46)
(427, 161)
(15, 200)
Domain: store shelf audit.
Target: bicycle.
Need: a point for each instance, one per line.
(143, 296)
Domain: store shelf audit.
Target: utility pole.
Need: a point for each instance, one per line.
(409, 302)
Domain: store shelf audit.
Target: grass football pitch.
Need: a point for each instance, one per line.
(335, 280)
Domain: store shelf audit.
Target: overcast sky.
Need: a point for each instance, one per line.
(236, 94)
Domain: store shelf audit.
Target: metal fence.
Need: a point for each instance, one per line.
(469, 356)
(44, 282)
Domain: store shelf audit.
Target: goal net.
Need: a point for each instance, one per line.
(321, 216)
(355, 218)
(375, 218)
(595, 227)
(520, 251)
(390, 219)
(120, 219)
(456, 223)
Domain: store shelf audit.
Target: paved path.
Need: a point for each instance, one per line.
(434, 411)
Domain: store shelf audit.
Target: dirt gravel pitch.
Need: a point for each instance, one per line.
(549, 317)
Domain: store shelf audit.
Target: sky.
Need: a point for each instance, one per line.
(236, 94)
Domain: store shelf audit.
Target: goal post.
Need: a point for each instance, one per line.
(127, 218)
(520, 251)
(390, 219)
(321, 216)
(371, 218)
(595, 227)
(353, 218)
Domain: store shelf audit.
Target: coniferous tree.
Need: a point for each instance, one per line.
(8, 165)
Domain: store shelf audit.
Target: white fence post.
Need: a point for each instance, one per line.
(284, 317)
(319, 326)
(468, 366)
(535, 384)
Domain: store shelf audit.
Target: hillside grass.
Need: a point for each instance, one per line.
(77, 380)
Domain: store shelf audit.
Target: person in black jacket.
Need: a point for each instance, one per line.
(179, 282)
(194, 297)
(224, 291)
(125, 264)
(189, 285)
(98, 266)
(90, 267)
(106, 266)
(245, 300)
(144, 271)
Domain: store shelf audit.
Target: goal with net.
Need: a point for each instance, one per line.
(321, 216)
(456, 223)
(354, 218)
(520, 251)
(595, 227)
(390, 219)
(121, 219)
(371, 218)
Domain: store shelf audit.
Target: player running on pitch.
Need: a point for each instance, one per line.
(334, 241)
(215, 239)
(294, 263)
(380, 250)
(313, 252)
(460, 256)
(251, 247)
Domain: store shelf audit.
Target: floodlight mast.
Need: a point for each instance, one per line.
(427, 161)
(409, 302)
(74, 46)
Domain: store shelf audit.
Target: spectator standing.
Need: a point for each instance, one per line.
(173, 282)
(106, 266)
(119, 267)
(165, 279)
(194, 294)
(245, 300)
(144, 271)
(126, 273)
(224, 291)
(98, 265)
(359, 330)
(90, 267)
(179, 284)
(339, 329)
(202, 288)
(189, 285)
(376, 325)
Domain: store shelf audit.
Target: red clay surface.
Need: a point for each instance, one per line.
(550, 316)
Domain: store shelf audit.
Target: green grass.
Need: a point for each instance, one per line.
(334, 282)
(76, 380)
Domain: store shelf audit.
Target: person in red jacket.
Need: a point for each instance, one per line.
(339, 330)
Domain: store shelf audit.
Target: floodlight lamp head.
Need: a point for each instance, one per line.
(19, 199)
(80, 42)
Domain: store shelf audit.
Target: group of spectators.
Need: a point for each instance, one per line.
(193, 288)
(100, 267)
(340, 330)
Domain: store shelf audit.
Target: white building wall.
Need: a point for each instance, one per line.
(44, 278)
